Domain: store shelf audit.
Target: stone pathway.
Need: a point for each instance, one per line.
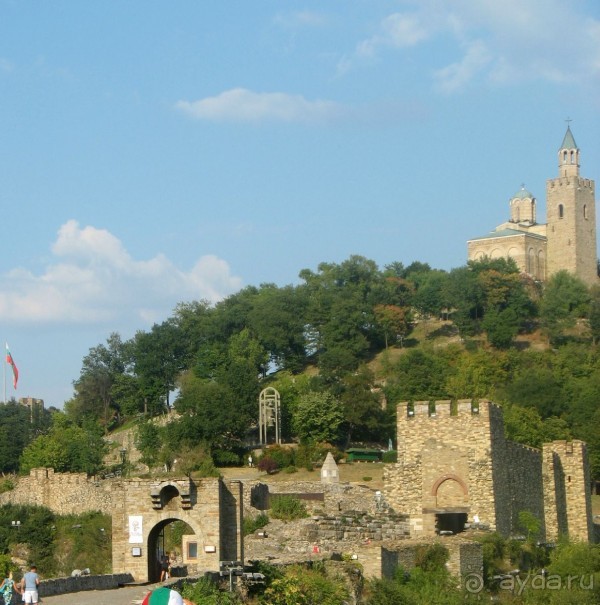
(128, 595)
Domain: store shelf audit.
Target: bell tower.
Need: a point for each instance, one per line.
(571, 213)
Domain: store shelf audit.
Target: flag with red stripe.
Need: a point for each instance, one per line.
(11, 362)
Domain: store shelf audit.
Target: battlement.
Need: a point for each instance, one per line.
(445, 408)
(564, 181)
(566, 448)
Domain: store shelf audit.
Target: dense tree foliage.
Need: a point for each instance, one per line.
(19, 426)
(66, 447)
(343, 346)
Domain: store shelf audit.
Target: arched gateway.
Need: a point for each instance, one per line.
(142, 508)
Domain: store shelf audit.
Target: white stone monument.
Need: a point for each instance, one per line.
(329, 470)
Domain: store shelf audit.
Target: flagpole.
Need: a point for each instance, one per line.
(4, 373)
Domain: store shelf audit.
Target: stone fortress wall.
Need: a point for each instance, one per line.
(63, 493)
(454, 459)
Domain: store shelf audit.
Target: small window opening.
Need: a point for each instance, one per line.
(192, 550)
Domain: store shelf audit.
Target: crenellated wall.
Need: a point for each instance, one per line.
(213, 508)
(567, 495)
(63, 493)
(453, 459)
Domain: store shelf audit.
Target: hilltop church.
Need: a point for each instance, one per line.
(568, 239)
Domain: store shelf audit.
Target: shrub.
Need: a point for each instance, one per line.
(251, 524)
(287, 508)
(432, 557)
(6, 485)
(225, 458)
(367, 478)
(290, 469)
(284, 456)
(267, 465)
(206, 592)
(309, 455)
(529, 523)
(304, 457)
(390, 456)
(493, 549)
(301, 586)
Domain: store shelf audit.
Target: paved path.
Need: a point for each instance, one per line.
(129, 595)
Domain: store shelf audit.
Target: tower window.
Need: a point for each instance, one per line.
(564, 157)
(561, 211)
(585, 213)
(572, 157)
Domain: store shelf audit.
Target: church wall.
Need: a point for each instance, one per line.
(570, 230)
(525, 251)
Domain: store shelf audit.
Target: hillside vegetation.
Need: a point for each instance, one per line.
(342, 347)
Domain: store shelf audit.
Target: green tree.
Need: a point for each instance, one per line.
(93, 389)
(149, 441)
(536, 385)
(418, 374)
(278, 318)
(210, 413)
(19, 425)
(430, 296)
(318, 417)
(565, 299)
(159, 356)
(340, 323)
(394, 321)
(66, 448)
(594, 313)
(478, 375)
(364, 418)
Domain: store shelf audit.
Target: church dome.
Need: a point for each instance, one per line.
(523, 194)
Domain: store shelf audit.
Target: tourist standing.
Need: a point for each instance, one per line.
(164, 568)
(7, 587)
(29, 586)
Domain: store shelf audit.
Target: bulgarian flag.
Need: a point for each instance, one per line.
(10, 361)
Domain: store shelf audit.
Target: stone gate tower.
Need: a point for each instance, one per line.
(571, 214)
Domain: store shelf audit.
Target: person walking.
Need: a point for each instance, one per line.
(164, 568)
(29, 586)
(7, 587)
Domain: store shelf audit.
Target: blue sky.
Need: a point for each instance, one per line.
(159, 152)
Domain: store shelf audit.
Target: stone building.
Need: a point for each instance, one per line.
(141, 509)
(566, 242)
(455, 467)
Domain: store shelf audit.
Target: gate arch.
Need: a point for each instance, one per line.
(143, 508)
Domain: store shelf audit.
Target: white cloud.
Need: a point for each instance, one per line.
(242, 105)
(396, 31)
(94, 279)
(504, 42)
(455, 76)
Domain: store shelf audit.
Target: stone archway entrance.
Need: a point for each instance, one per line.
(161, 544)
(212, 508)
(449, 505)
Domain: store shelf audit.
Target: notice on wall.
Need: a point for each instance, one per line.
(135, 529)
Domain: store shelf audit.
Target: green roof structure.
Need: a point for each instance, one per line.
(569, 140)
